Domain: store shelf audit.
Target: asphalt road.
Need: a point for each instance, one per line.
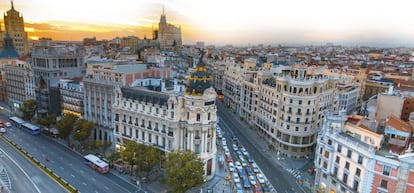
(68, 164)
(281, 180)
(24, 175)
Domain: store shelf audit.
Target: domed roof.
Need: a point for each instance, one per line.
(200, 80)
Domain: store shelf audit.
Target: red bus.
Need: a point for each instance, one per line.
(96, 163)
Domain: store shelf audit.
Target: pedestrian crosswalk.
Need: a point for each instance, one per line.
(294, 172)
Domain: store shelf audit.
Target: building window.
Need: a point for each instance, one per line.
(349, 153)
(188, 115)
(337, 159)
(300, 102)
(329, 142)
(198, 117)
(197, 148)
(345, 178)
(355, 186)
(339, 149)
(208, 116)
(325, 165)
(358, 172)
(360, 159)
(327, 154)
(335, 172)
(347, 165)
(386, 170)
(384, 184)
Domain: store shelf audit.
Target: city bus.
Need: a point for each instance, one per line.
(2, 129)
(96, 163)
(32, 129)
(16, 121)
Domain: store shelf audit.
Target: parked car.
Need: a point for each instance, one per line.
(2, 130)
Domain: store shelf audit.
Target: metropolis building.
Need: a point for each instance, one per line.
(153, 113)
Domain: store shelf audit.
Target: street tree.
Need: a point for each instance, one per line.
(65, 125)
(129, 153)
(147, 158)
(47, 121)
(28, 109)
(184, 170)
(102, 146)
(82, 130)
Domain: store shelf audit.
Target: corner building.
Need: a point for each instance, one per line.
(286, 105)
(170, 120)
(292, 108)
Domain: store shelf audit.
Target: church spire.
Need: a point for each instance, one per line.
(12, 4)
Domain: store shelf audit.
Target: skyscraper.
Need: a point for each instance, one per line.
(14, 24)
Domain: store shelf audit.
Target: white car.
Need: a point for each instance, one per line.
(238, 165)
(252, 180)
(236, 177)
(244, 151)
(231, 166)
(226, 151)
(235, 148)
(255, 167)
(2, 130)
(260, 178)
(7, 124)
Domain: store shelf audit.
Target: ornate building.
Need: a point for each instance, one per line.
(170, 120)
(286, 105)
(168, 35)
(14, 24)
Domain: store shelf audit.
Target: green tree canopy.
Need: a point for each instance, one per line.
(28, 109)
(147, 157)
(47, 121)
(82, 130)
(129, 153)
(184, 170)
(65, 125)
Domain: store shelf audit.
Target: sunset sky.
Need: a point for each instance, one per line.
(224, 21)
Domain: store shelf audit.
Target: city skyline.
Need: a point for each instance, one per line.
(228, 22)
